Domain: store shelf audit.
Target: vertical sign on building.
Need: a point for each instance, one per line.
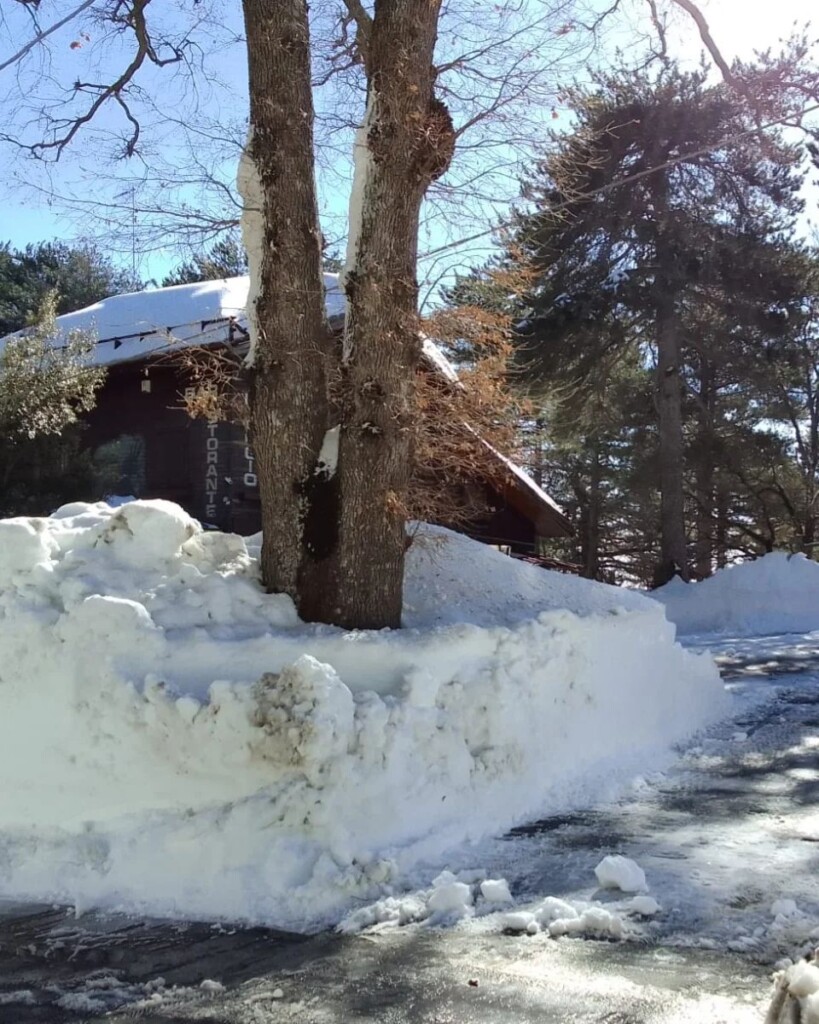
(211, 473)
(212, 510)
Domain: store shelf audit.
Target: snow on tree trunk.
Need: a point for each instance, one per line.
(290, 341)
(405, 142)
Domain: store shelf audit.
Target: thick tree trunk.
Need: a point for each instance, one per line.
(809, 531)
(673, 554)
(704, 476)
(722, 525)
(591, 532)
(406, 141)
(286, 310)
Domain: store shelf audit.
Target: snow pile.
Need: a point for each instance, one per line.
(451, 579)
(778, 593)
(174, 741)
(470, 894)
(558, 917)
(453, 898)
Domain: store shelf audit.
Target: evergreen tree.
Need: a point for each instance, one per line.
(645, 212)
(225, 258)
(44, 389)
(78, 275)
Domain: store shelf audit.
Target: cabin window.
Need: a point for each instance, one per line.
(120, 466)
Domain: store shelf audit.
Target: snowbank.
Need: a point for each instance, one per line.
(174, 741)
(451, 578)
(778, 593)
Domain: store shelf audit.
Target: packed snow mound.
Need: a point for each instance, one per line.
(451, 578)
(175, 741)
(778, 593)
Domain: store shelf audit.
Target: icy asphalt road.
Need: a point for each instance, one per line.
(731, 829)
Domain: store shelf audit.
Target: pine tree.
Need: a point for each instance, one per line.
(644, 213)
(225, 258)
(78, 275)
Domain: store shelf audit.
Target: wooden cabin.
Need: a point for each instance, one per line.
(145, 445)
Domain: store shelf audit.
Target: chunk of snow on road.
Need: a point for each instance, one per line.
(519, 921)
(778, 593)
(496, 890)
(81, 1002)
(451, 898)
(175, 741)
(616, 872)
(560, 918)
(596, 922)
(645, 905)
(443, 905)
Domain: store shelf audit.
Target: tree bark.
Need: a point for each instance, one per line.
(722, 525)
(286, 308)
(704, 474)
(406, 141)
(591, 531)
(673, 553)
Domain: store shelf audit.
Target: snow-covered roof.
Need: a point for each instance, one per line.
(136, 325)
(523, 478)
(132, 326)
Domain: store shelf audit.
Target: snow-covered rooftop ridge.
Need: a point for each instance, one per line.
(529, 481)
(522, 476)
(137, 324)
(439, 360)
(132, 326)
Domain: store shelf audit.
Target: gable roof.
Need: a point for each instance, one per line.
(137, 325)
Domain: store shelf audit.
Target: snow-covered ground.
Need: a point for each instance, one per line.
(717, 852)
(775, 594)
(174, 741)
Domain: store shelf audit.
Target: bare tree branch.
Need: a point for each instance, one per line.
(44, 34)
(363, 24)
(710, 43)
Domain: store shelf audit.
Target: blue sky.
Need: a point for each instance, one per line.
(740, 26)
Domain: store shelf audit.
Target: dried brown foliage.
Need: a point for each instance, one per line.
(464, 428)
(215, 383)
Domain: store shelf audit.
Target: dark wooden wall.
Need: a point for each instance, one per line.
(208, 468)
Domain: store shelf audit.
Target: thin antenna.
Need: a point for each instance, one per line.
(132, 193)
(133, 237)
